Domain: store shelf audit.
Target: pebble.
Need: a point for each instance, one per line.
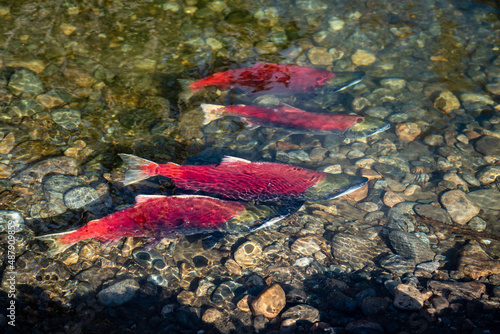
(475, 262)
(248, 254)
(335, 24)
(306, 246)
(379, 112)
(433, 212)
(227, 291)
(352, 248)
(186, 298)
(7, 143)
(233, 267)
(205, 288)
(69, 119)
(397, 264)
(486, 198)
(429, 266)
(407, 298)
(477, 224)
(493, 88)
(467, 290)
(269, 302)
(391, 199)
(67, 29)
(393, 83)
(488, 145)
(460, 208)
(408, 131)
(301, 312)
(25, 83)
(446, 101)
(439, 303)
(11, 219)
(54, 98)
(434, 140)
(410, 246)
(475, 97)
(118, 293)
(211, 315)
(79, 197)
(320, 56)
(363, 57)
(488, 175)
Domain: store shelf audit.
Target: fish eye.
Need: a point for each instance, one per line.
(359, 120)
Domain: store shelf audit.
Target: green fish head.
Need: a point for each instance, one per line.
(334, 185)
(342, 80)
(367, 127)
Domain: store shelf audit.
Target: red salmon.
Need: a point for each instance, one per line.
(157, 217)
(278, 79)
(284, 116)
(236, 178)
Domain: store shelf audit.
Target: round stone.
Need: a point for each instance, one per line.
(408, 298)
(248, 254)
(269, 302)
(306, 246)
(362, 57)
(446, 101)
(25, 83)
(79, 197)
(460, 208)
(69, 119)
(486, 198)
(118, 293)
(211, 315)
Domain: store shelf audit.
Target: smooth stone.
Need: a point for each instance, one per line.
(397, 264)
(434, 140)
(439, 303)
(410, 246)
(205, 288)
(25, 107)
(306, 246)
(118, 293)
(363, 57)
(468, 290)
(408, 131)
(364, 326)
(79, 197)
(493, 88)
(446, 101)
(7, 143)
(475, 97)
(460, 208)
(432, 212)
(301, 312)
(269, 302)
(374, 305)
(335, 23)
(489, 174)
(11, 221)
(393, 83)
(407, 298)
(54, 98)
(248, 254)
(186, 298)
(488, 145)
(211, 315)
(346, 247)
(486, 198)
(379, 112)
(477, 224)
(69, 119)
(233, 267)
(25, 83)
(476, 263)
(320, 56)
(391, 199)
(429, 266)
(341, 302)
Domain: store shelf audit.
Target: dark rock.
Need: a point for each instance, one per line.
(488, 145)
(118, 293)
(364, 326)
(432, 212)
(467, 290)
(476, 263)
(411, 247)
(374, 305)
(397, 264)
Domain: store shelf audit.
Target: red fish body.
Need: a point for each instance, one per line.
(284, 116)
(275, 79)
(236, 178)
(158, 217)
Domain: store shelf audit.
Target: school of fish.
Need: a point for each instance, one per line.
(226, 189)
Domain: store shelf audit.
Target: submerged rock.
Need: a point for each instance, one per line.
(476, 263)
(269, 302)
(460, 208)
(118, 293)
(408, 298)
(410, 246)
(25, 83)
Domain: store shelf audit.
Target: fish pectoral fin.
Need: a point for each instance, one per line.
(144, 198)
(108, 241)
(211, 112)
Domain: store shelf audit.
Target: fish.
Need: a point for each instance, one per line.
(156, 217)
(278, 79)
(297, 120)
(240, 179)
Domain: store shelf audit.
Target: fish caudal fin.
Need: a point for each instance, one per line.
(211, 112)
(187, 90)
(54, 242)
(135, 172)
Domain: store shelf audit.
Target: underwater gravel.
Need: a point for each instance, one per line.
(417, 251)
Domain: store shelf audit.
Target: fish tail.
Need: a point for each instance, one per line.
(136, 168)
(211, 112)
(188, 89)
(56, 245)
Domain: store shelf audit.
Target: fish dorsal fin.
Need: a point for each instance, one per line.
(143, 198)
(231, 160)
